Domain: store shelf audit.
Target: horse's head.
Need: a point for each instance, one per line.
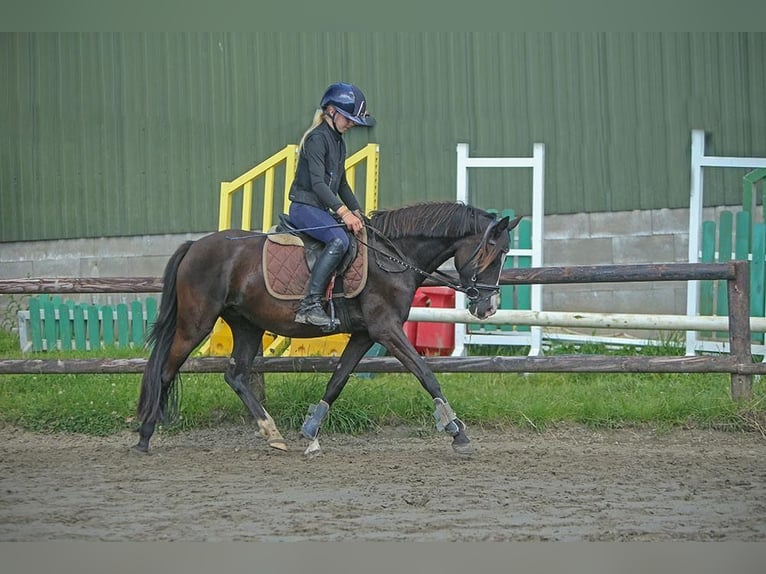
(479, 260)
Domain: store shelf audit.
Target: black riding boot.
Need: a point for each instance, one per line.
(311, 310)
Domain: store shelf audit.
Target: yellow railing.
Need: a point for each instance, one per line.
(267, 168)
(371, 154)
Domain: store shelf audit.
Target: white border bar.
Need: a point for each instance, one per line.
(537, 163)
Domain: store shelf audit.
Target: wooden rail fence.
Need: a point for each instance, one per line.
(738, 363)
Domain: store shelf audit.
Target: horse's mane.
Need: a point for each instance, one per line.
(430, 219)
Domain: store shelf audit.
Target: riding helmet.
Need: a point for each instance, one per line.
(349, 101)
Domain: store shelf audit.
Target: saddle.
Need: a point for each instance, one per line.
(289, 255)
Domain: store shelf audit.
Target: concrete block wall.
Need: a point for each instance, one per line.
(622, 238)
(140, 256)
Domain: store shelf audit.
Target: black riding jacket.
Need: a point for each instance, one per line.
(320, 178)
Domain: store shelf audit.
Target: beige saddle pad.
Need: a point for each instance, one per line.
(287, 274)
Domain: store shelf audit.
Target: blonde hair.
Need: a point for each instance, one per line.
(318, 119)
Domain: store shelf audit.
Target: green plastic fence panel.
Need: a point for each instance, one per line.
(748, 186)
(524, 292)
(123, 326)
(507, 292)
(757, 265)
(708, 256)
(35, 324)
(57, 314)
(107, 325)
(743, 222)
(377, 350)
(65, 325)
(78, 314)
(725, 236)
(725, 241)
(758, 175)
(707, 288)
(49, 324)
(151, 312)
(94, 328)
(56, 323)
(137, 323)
(747, 195)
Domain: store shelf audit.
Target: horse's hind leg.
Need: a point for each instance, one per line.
(166, 374)
(247, 342)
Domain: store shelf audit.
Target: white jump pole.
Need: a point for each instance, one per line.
(580, 320)
(537, 163)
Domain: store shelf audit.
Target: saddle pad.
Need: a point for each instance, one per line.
(286, 273)
(283, 238)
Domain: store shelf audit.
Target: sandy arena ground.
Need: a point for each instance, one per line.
(226, 484)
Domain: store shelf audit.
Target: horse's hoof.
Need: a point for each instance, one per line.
(463, 448)
(313, 449)
(278, 445)
(140, 449)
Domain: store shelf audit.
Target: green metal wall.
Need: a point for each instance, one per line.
(127, 134)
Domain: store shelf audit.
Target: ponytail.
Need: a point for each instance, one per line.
(318, 119)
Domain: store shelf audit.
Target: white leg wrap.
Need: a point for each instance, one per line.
(445, 417)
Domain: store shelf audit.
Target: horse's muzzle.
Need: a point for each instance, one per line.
(483, 307)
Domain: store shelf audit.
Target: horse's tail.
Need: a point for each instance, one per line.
(153, 397)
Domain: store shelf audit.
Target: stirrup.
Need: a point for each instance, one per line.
(313, 314)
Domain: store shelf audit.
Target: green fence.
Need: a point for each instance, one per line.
(743, 237)
(53, 323)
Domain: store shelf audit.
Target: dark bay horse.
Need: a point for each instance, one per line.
(217, 276)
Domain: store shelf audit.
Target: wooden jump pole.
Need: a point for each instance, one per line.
(540, 275)
(498, 364)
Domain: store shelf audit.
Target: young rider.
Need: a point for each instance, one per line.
(320, 188)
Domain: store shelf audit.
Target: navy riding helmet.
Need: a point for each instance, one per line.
(349, 101)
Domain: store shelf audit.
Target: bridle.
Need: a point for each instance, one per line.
(472, 291)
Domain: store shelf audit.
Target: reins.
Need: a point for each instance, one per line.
(438, 276)
(472, 292)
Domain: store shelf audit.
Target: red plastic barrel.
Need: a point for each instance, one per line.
(432, 339)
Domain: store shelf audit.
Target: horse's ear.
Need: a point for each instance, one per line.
(506, 224)
(515, 222)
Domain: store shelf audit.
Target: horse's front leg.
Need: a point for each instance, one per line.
(447, 421)
(358, 344)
